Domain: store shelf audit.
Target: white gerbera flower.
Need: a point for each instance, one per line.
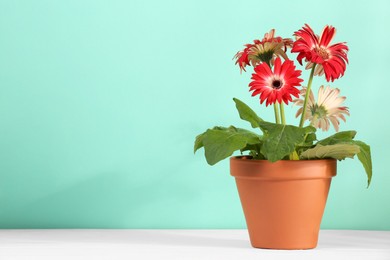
(327, 110)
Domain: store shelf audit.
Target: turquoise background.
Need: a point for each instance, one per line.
(100, 102)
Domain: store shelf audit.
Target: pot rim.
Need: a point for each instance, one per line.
(245, 168)
(250, 158)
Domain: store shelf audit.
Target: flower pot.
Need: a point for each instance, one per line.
(283, 202)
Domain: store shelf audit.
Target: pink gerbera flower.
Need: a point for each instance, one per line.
(276, 86)
(265, 50)
(330, 60)
(326, 110)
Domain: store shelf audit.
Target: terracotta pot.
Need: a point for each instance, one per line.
(283, 202)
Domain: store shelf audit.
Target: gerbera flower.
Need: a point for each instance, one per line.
(327, 110)
(242, 57)
(263, 51)
(269, 48)
(276, 86)
(330, 60)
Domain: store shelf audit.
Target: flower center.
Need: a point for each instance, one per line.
(276, 84)
(319, 111)
(265, 56)
(322, 52)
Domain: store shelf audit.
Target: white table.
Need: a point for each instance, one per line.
(135, 244)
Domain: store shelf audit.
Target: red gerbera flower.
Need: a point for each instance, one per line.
(276, 86)
(263, 51)
(330, 60)
(242, 57)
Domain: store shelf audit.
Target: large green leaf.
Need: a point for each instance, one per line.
(281, 140)
(198, 142)
(199, 139)
(365, 158)
(340, 137)
(364, 155)
(336, 151)
(220, 143)
(247, 114)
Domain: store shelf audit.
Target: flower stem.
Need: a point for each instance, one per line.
(276, 110)
(307, 96)
(282, 113)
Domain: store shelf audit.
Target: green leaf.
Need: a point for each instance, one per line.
(336, 151)
(281, 140)
(310, 138)
(364, 155)
(220, 143)
(340, 137)
(307, 143)
(365, 158)
(254, 151)
(198, 142)
(247, 114)
(199, 139)
(251, 147)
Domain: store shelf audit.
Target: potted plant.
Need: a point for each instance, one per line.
(284, 172)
